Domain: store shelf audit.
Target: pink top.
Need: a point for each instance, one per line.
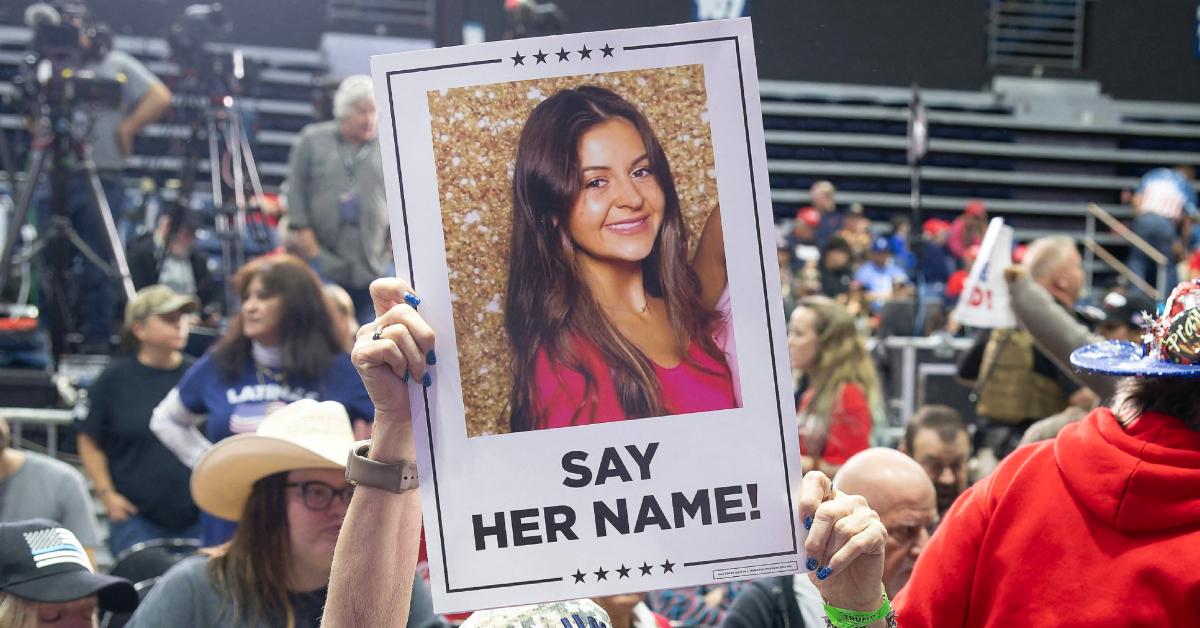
(685, 388)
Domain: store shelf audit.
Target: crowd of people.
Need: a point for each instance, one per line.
(1070, 491)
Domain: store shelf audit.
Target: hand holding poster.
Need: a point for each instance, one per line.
(587, 221)
(985, 300)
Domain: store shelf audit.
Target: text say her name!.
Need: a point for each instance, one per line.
(549, 524)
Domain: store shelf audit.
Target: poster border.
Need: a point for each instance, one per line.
(762, 274)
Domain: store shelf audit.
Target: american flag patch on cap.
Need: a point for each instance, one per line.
(54, 546)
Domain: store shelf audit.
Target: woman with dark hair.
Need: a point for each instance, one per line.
(842, 401)
(1098, 527)
(286, 486)
(280, 348)
(606, 318)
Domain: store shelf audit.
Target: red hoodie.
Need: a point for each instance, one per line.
(1100, 527)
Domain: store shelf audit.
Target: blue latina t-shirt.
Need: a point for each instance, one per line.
(238, 405)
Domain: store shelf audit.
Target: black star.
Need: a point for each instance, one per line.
(624, 571)
(607, 50)
(668, 566)
(578, 575)
(563, 55)
(518, 59)
(645, 568)
(540, 56)
(585, 52)
(601, 574)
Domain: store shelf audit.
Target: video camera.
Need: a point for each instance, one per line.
(205, 71)
(64, 43)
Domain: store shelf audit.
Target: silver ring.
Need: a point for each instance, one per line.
(378, 333)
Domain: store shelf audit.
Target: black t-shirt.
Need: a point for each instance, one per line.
(117, 417)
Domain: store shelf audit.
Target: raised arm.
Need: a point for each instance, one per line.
(372, 577)
(844, 546)
(1054, 331)
(709, 262)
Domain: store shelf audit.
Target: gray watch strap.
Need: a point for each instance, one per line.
(396, 477)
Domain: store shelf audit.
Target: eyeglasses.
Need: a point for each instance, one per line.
(318, 495)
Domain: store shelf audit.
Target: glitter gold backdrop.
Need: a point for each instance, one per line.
(475, 133)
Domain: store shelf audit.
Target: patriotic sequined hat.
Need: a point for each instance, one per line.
(44, 562)
(1170, 347)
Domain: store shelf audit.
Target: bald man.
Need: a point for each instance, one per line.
(897, 488)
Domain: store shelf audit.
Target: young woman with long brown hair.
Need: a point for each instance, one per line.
(281, 347)
(606, 318)
(842, 401)
(286, 485)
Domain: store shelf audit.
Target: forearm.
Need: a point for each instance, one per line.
(95, 463)
(175, 426)
(371, 580)
(153, 104)
(1054, 331)
(709, 261)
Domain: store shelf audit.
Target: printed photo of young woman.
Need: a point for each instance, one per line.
(604, 265)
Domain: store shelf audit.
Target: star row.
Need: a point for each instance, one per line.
(563, 54)
(623, 571)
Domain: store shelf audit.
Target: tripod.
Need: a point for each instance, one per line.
(222, 125)
(65, 151)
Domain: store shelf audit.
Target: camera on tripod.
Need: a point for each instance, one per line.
(208, 70)
(53, 75)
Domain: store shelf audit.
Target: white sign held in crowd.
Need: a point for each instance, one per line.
(531, 184)
(984, 301)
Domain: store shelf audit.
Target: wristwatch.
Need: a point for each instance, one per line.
(396, 477)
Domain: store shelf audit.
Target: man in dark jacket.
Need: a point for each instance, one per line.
(782, 602)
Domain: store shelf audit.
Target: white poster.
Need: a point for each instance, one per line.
(985, 300)
(587, 220)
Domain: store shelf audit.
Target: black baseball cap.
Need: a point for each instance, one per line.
(44, 562)
(1131, 310)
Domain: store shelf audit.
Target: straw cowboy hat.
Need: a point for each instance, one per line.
(306, 434)
(1170, 347)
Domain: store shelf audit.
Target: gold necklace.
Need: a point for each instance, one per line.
(261, 371)
(645, 309)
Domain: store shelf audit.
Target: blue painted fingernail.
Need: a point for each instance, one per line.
(406, 377)
(808, 523)
(431, 357)
(427, 380)
(824, 573)
(811, 564)
(412, 299)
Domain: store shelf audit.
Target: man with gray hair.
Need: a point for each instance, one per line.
(1015, 384)
(337, 213)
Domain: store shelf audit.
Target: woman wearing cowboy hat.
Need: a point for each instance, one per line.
(1099, 527)
(285, 485)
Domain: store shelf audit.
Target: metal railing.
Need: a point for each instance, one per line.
(913, 372)
(1092, 250)
(22, 419)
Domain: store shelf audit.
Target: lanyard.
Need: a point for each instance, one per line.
(350, 162)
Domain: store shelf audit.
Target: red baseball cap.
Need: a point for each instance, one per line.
(975, 208)
(809, 216)
(934, 226)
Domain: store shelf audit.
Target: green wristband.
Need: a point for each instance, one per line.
(842, 618)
